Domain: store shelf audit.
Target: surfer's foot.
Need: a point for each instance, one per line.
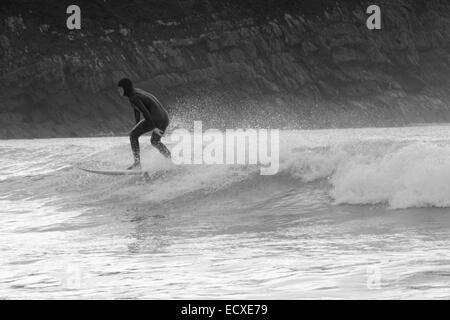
(135, 166)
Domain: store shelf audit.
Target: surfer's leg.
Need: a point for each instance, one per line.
(156, 142)
(138, 130)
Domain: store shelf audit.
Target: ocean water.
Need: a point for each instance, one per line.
(354, 213)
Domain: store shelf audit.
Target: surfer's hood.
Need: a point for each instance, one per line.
(127, 86)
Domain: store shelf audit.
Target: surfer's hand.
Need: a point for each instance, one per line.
(159, 132)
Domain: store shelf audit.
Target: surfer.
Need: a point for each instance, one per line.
(156, 119)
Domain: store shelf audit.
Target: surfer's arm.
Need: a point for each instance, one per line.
(137, 115)
(140, 106)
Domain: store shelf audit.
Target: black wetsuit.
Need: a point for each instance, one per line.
(155, 116)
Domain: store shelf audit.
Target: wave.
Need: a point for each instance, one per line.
(398, 173)
(417, 175)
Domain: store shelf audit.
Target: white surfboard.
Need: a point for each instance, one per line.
(117, 172)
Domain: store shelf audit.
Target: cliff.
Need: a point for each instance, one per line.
(266, 63)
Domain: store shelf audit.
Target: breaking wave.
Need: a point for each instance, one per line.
(399, 173)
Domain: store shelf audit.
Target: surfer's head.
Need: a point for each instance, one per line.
(125, 87)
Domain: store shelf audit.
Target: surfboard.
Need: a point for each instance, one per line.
(117, 172)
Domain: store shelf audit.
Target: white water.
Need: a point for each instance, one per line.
(357, 213)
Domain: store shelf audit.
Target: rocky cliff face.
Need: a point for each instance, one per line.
(279, 64)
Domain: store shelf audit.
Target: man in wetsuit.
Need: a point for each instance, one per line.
(155, 119)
